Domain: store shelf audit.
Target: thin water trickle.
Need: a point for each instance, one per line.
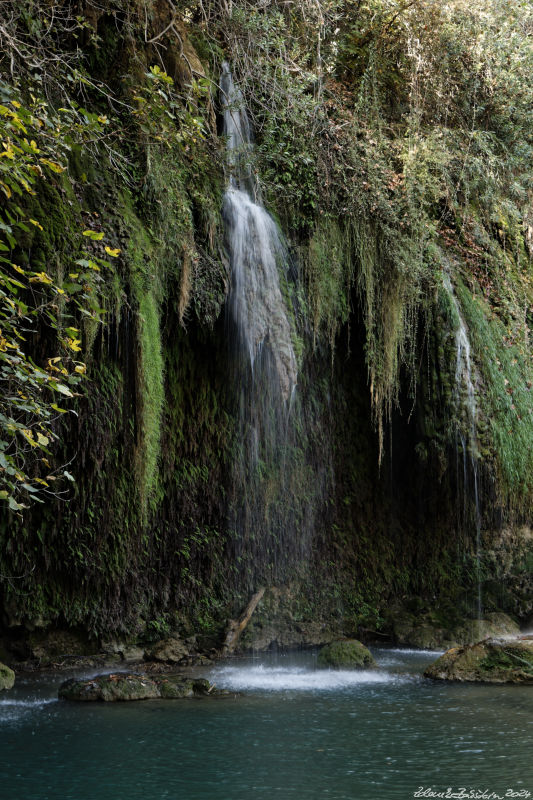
(465, 397)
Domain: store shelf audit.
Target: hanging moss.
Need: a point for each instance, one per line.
(505, 399)
(151, 395)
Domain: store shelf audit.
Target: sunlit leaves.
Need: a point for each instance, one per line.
(32, 300)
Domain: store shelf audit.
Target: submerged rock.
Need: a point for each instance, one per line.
(119, 687)
(346, 653)
(489, 661)
(7, 677)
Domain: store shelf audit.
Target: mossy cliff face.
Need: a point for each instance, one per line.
(374, 505)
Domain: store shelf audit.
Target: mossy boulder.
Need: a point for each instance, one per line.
(7, 677)
(120, 687)
(345, 653)
(489, 661)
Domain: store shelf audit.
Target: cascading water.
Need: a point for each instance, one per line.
(465, 398)
(262, 343)
(257, 251)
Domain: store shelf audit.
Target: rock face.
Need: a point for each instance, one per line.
(7, 677)
(119, 687)
(347, 653)
(489, 661)
(428, 633)
(171, 651)
(280, 622)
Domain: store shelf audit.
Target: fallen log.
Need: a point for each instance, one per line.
(236, 626)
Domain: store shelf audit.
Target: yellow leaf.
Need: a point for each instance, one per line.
(111, 252)
(74, 344)
(42, 439)
(37, 224)
(6, 190)
(16, 104)
(28, 435)
(95, 235)
(18, 269)
(54, 166)
(81, 369)
(41, 277)
(103, 119)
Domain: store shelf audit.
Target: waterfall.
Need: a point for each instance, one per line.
(261, 339)
(256, 250)
(465, 398)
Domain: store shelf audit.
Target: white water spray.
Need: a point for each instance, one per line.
(256, 250)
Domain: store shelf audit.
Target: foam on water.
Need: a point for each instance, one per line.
(406, 651)
(12, 710)
(276, 679)
(30, 703)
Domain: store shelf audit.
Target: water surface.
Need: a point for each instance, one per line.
(296, 732)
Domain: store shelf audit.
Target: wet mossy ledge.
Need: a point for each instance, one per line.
(372, 520)
(488, 661)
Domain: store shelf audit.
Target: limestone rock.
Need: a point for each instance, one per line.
(57, 643)
(426, 632)
(347, 653)
(7, 677)
(171, 651)
(489, 661)
(120, 687)
(123, 651)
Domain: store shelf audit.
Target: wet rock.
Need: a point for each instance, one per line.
(489, 661)
(283, 621)
(170, 689)
(427, 632)
(346, 653)
(123, 651)
(171, 651)
(120, 687)
(57, 643)
(7, 677)
(493, 626)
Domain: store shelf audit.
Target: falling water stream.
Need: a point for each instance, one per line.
(257, 252)
(261, 337)
(465, 397)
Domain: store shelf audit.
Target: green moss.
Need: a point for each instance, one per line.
(349, 653)
(506, 396)
(329, 275)
(151, 381)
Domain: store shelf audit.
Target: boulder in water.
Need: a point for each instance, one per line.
(345, 653)
(119, 687)
(489, 661)
(7, 677)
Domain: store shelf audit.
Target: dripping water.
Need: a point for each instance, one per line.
(465, 397)
(261, 339)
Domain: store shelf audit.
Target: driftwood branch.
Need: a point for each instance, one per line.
(236, 626)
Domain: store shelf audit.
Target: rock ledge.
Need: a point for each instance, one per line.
(489, 661)
(122, 686)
